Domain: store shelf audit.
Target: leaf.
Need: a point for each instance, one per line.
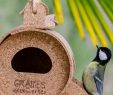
(76, 17)
(58, 10)
(95, 23)
(87, 23)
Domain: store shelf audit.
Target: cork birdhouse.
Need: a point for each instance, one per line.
(36, 60)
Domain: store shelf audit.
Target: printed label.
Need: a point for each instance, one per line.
(29, 87)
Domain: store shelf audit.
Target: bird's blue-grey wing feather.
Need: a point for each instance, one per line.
(99, 84)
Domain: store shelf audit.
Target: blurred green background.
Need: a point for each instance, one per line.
(84, 51)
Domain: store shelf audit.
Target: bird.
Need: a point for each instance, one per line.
(93, 75)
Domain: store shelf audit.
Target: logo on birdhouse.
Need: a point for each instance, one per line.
(29, 87)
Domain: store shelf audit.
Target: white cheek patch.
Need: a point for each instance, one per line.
(102, 55)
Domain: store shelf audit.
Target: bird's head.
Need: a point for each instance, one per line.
(103, 55)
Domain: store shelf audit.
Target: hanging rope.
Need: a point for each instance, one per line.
(34, 2)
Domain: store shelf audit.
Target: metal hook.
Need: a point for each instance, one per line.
(34, 2)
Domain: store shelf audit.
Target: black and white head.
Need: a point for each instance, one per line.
(103, 55)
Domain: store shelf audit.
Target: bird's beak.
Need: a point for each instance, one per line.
(97, 46)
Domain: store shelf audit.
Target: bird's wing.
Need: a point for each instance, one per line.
(99, 84)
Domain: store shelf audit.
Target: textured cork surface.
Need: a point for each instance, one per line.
(19, 83)
(41, 19)
(75, 88)
(35, 60)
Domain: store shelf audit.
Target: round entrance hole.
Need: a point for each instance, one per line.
(31, 60)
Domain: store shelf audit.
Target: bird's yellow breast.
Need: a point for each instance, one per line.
(88, 77)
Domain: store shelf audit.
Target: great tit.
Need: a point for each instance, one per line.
(93, 75)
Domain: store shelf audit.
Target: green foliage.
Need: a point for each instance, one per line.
(107, 10)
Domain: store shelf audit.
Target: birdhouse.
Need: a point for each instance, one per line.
(75, 88)
(34, 59)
